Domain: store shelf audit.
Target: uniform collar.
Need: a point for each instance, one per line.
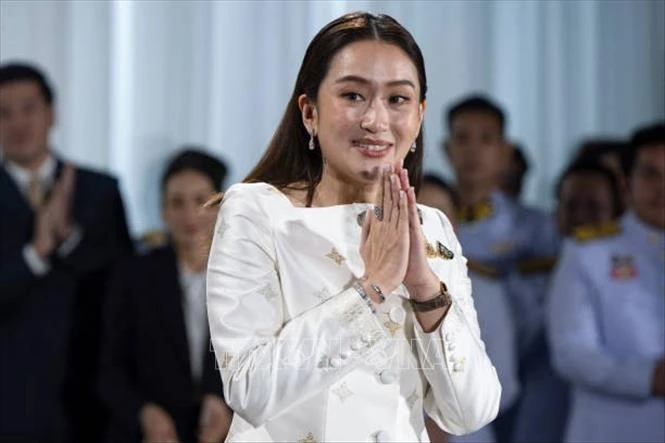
(22, 176)
(481, 210)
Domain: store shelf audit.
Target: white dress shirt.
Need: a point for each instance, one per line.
(46, 175)
(301, 354)
(194, 309)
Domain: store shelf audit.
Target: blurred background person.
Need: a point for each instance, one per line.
(62, 228)
(587, 195)
(609, 152)
(499, 235)
(494, 316)
(158, 375)
(607, 311)
(512, 177)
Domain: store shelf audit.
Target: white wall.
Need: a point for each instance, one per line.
(137, 79)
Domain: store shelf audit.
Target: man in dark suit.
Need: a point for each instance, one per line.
(62, 228)
(158, 372)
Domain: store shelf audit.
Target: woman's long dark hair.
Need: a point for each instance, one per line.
(288, 162)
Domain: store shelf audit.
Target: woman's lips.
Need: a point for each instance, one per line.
(373, 149)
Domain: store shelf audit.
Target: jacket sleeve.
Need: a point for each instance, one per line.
(464, 389)
(576, 341)
(268, 364)
(118, 368)
(104, 244)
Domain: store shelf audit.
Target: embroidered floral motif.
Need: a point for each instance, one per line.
(392, 327)
(268, 291)
(342, 391)
(335, 256)
(309, 438)
(323, 294)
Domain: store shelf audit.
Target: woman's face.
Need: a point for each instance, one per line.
(368, 110)
(184, 195)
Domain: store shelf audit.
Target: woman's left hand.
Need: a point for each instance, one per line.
(421, 282)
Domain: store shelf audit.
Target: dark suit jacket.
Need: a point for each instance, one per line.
(146, 352)
(49, 325)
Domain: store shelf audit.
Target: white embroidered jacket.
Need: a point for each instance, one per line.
(303, 357)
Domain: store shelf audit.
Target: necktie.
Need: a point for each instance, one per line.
(35, 193)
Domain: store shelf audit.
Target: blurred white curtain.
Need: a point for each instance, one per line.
(137, 79)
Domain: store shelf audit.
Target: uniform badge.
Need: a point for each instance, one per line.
(430, 250)
(438, 250)
(443, 251)
(623, 267)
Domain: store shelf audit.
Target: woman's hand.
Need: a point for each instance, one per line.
(384, 247)
(421, 282)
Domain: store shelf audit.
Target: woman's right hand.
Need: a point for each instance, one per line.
(384, 247)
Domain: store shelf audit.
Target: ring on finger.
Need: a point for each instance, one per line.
(378, 212)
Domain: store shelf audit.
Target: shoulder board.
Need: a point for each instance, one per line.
(536, 265)
(483, 269)
(587, 233)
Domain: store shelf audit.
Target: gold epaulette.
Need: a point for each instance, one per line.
(586, 233)
(483, 269)
(475, 213)
(154, 239)
(536, 265)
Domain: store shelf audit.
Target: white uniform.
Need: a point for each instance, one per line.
(302, 356)
(607, 331)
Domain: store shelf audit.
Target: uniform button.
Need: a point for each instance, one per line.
(448, 336)
(387, 376)
(335, 362)
(355, 345)
(458, 367)
(452, 358)
(345, 354)
(366, 338)
(397, 314)
(451, 346)
(381, 436)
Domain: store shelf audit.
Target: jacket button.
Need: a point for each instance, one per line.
(335, 362)
(397, 314)
(387, 376)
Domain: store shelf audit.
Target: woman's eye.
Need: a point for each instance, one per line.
(398, 99)
(353, 96)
